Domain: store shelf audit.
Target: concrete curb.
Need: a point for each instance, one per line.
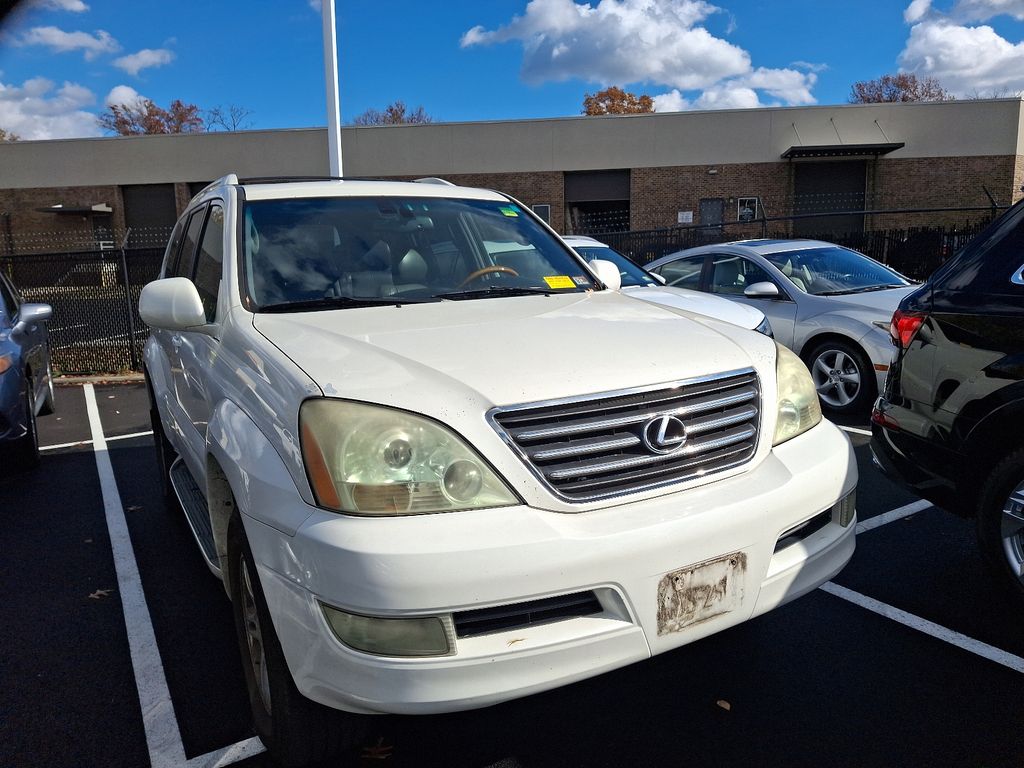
(99, 378)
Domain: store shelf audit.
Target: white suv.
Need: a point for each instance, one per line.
(438, 464)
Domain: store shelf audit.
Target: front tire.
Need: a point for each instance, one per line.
(295, 730)
(1001, 522)
(25, 450)
(843, 377)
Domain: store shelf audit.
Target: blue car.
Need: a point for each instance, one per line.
(26, 381)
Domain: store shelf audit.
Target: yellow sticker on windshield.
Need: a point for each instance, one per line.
(559, 281)
(509, 210)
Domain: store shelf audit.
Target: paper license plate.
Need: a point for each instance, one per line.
(700, 592)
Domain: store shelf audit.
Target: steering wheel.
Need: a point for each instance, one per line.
(486, 271)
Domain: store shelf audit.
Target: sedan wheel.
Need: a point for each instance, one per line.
(842, 376)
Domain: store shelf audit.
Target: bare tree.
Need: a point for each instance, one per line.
(6, 135)
(145, 117)
(904, 86)
(395, 113)
(615, 101)
(230, 118)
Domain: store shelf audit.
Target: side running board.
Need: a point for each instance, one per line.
(193, 501)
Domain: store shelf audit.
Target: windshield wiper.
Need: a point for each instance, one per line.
(337, 302)
(865, 289)
(493, 290)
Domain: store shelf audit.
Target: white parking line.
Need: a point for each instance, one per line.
(855, 430)
(893, 515)
(163, 738)
(1016, 663)
(233, 754)
(89, 442)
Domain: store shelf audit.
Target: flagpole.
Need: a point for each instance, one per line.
(331, 83)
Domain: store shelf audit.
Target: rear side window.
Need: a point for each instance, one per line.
(990, 263)
(188, 248)
(683, 273)
(173, 249)
(209, 261)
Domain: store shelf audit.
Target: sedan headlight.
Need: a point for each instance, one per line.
(797, 408)
(370, 460)
(766, 328)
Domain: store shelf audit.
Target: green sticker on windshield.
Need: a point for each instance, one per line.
(509, 210)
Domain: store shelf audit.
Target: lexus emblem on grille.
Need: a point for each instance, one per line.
(664, 434)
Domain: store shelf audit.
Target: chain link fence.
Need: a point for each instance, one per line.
(95, 298)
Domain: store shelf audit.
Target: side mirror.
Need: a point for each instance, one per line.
(172, 304)
(762, 290)
(660, 278)
(30, 315)
(607, 273)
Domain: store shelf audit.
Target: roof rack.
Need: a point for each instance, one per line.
(434, 180)
(225, 180)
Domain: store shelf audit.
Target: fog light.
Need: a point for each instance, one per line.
(846, 508)
(389, 637)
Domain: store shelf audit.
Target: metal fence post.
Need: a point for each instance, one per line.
(129, 309)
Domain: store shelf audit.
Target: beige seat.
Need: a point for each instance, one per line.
(788, 271)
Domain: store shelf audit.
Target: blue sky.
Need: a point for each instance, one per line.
(62, 60)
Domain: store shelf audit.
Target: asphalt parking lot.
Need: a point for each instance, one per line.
(118, 649)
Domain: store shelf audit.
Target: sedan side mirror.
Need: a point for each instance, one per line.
(607, 273)
(762, 290)
(660, 278)
(29, 316)
(172, 304)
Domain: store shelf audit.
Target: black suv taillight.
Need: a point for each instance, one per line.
(904, 326)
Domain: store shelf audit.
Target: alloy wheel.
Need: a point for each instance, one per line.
(836, 377)
(1012, 530)
(254, 638)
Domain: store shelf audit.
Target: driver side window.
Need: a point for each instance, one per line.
(731, 275)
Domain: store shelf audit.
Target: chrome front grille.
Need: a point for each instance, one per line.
(621, 442)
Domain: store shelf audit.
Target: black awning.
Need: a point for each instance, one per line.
(841, 150)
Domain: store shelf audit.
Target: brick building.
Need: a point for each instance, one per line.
(585, 174)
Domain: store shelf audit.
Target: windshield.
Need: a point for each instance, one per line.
(320, 253)
(631, 274)
(831, 271)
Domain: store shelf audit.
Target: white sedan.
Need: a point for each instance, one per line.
(637, 282)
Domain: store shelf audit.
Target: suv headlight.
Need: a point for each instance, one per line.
(370, 460)
(797, 406)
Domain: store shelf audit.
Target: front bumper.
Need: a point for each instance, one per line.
(446, 563)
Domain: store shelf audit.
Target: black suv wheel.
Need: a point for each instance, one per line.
(1001, 521)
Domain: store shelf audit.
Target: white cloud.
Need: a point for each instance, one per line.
(123, 94)
(982, 10)
(617, 42)
(966, 58)
(73, 6)
(316, 5)
(963, 59)
(728, 96)
(673, 101)
(916, 11)
(60, 41)
(35, 111)
(134, 63)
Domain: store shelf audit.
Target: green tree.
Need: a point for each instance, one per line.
(145, 117)
(904, 86)
(395, 113)
(615, 101)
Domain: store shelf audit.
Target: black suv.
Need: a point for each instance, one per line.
(950, 422)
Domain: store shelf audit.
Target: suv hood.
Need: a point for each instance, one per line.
(702, 303)
(442, 358)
